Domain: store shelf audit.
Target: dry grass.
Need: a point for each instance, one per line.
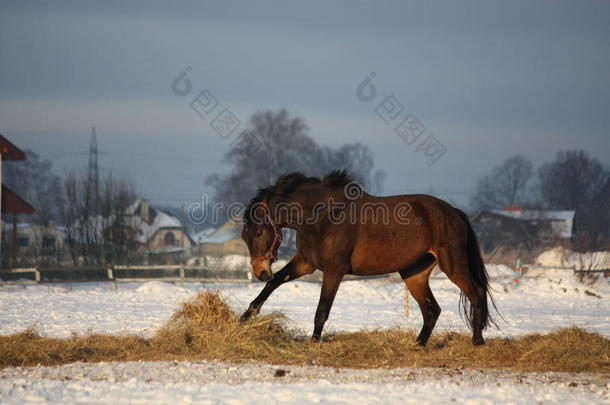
(206, 328)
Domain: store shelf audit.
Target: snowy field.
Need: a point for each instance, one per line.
(546, 301)
(255, 383)
(552, 300)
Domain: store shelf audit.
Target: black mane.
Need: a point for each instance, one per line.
(337, 178)
(289, 183)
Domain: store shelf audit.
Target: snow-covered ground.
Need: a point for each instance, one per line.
(552, 300)
(563, 257)
(544, 301)
(254, 383)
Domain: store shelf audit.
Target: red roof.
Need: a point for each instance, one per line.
(13, 204)
(10, 151)
(513, 208)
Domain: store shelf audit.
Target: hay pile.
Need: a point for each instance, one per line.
(206, 328)
(206, 325)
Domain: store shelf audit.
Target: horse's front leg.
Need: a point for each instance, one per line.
(294, 269)
(330, 285)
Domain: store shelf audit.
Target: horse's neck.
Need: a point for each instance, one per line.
(292, 213)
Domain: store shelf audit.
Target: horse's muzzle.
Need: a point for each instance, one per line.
(265, 276)
(262, 269)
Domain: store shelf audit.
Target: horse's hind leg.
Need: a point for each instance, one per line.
(454, 263)
(417, 283)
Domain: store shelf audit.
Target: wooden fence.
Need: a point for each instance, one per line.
(179, 273)
(123, 273)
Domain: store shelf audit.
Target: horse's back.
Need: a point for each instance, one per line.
(396, 231)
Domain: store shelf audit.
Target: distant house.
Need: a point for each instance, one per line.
(151, 230)
(155, 230)
(225, 240)
(34, 244)
(198, 236)
(518, 228)
(34, 237)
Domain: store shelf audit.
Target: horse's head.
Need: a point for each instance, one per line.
(263, 237)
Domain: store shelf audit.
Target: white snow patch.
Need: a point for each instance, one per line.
(561, 257)
(22, 391)
(231, 262)
(159, 287)
(253, 383)
(542, 301)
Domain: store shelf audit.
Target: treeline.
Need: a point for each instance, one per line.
(574, 180)
(94, 226)
(276, 143)
(72, 224)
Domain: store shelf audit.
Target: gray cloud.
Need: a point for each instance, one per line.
(488, 78)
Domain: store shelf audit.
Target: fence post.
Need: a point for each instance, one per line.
(517, 272)
(406, 301)
(181, 270)
(37, 275)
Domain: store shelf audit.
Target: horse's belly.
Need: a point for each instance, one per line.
(369, 262)
(382, 250)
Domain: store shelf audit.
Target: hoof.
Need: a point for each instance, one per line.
(478, 341)
(420, 343)
(246, 316)
(315, 339)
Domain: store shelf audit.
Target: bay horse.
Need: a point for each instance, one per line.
(340, 229)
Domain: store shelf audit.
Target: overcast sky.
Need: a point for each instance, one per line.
(487, 79)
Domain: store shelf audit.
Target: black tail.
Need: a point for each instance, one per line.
(479, 277)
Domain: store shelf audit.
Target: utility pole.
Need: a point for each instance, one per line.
(93, 191)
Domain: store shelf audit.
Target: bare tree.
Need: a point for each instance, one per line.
(34, 180)
(275, 143)
(506, 185)
(356, 158)
(272, 144)
(107, 236)
(82, 236)
(593, 222)
(572, 180)
(594, 257)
